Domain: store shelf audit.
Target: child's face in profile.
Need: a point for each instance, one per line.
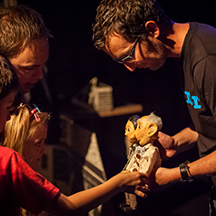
(5, 107)
(34, 148)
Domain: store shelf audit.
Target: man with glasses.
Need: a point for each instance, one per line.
(128, 58)
(139, 34)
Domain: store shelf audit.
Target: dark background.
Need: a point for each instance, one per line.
(73, 58)
(74, 61)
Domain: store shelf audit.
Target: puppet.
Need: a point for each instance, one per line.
(143, 156)
(130, 127)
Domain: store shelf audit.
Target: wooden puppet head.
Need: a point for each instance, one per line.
(147, 129)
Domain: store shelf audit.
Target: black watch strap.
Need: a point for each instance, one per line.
(184, 169)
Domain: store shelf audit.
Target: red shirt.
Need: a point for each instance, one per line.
(21, 186)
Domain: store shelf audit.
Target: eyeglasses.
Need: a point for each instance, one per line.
(129, 57)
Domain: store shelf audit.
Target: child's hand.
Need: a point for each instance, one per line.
(134, 182)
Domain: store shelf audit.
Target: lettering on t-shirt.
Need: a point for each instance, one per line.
(192, 100)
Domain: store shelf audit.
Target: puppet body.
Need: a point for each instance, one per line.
(143, 156)
(143, 159)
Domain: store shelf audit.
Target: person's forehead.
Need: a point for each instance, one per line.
(36, 51)
(39, 132)
(38, 46)
(116, 45)
(42, 127)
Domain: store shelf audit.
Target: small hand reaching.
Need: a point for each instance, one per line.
(134, 182)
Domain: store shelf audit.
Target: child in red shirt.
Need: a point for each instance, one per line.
(23, 187)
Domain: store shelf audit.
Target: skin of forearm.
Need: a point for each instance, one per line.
(185, 137)
(80, 203)
(83, 201)
(165, 175)
(202, 166)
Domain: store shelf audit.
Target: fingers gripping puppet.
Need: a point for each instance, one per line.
(142, 156)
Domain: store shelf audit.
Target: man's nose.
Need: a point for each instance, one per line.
(130, 66)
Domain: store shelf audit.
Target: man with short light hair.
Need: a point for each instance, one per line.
(24, 41)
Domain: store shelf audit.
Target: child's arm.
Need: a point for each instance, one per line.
(84, 201)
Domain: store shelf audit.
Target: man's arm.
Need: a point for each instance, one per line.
(185, 137)
(202, 166)
(83, 201)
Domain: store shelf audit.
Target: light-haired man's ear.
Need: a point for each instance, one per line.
(152, 129)
(153, 29)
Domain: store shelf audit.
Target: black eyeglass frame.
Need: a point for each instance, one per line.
(129, 56)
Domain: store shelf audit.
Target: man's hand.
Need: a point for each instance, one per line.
(181, 141)
(166, 145)
(163, 177)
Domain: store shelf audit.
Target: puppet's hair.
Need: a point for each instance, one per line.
(134, 119)
(155, 119)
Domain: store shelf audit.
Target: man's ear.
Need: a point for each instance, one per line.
(153, 29)
(152, 129)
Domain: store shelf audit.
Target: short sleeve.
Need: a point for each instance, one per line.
(205, 80)
(32, 190)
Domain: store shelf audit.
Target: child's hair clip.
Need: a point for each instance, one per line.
(34, 112)
(36, 107)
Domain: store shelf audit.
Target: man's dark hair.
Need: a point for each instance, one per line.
(18, 26)
(127, 18)
(8, 78)
(134, 119)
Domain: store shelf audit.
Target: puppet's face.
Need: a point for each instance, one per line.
(130, 132)
(145, 131)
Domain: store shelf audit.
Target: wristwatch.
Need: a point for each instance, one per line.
(184, 169)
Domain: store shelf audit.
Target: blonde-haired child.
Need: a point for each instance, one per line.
(26, 133)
